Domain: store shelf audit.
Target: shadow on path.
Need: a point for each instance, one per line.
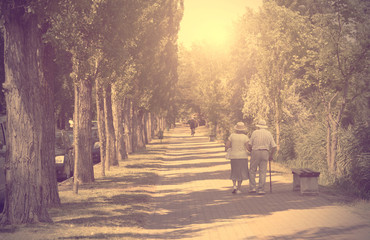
(194, 196)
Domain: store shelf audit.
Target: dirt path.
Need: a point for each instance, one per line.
(180, 190)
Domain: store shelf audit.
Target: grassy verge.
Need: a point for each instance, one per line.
(114, 206)
(122, 196)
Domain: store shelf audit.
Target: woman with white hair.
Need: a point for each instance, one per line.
(238, 145)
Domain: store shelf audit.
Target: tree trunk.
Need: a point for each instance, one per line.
(159, 125)
(117, 110)
(101, 124)
(138, 133)
(331, 145)
(76, 115)
(127, 125)
(51, 195)
(147, 129)
(30, 125)
(332, 136)
(82, 132)
(334, 148)
(134, 131)
(277, 130)
(125, 138)
(278, 111)
(153, 124)
(111, 159)
(141, 129)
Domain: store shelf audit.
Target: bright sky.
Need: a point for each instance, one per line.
(211, 20)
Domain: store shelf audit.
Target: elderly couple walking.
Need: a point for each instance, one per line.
(262, 147)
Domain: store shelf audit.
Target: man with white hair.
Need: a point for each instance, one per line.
(262, 147)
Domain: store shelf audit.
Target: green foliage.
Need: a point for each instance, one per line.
(63, 88)
(243, 61)
(129, 43)
(276, 47)
(186, 96)
(354, 160)
(202, 84)
(155, 56)
(311, 145)
(288, 62)
(360, 175)
(288, 143)
(303, 145)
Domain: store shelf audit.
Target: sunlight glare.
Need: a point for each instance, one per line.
(213, 33)
(210, 21)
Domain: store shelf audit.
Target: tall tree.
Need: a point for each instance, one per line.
(279, 49)
(339, 64)
(186, 89)
(155, 59)
(243, 61)
(101, 122)
(111, 159)
(30, 119)
(120, 27)
(74, 31)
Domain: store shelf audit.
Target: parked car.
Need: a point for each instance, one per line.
(95, 150)
(64, 161)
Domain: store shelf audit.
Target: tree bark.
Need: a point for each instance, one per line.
(30, 125)
(147, 129)
(84, 171)
(111, 158)
(334, 148)
(332, 145)
(277, 125)
(332, 137)
(137, 129)
(127, 124)
(51, 195)
(134, 131)
(101, 124)
(153, 124)
(328, 144)
(117, 110)
(141, 129)
(76, 134)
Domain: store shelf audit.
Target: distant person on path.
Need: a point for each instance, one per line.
(193, 124)
(262, 147)
(237, 145)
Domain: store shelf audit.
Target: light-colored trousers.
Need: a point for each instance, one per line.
(259, 159)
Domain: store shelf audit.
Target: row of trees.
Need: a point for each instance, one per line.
(303, 66)
(60, 56)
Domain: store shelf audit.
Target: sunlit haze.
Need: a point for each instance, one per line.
(210, 21)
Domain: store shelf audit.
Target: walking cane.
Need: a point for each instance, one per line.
(270, 176)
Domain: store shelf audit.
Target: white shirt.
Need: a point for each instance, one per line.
(238, 146)
(262, 139)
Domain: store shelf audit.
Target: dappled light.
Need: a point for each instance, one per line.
(115, 117)
(283, 65)
(195, 201)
